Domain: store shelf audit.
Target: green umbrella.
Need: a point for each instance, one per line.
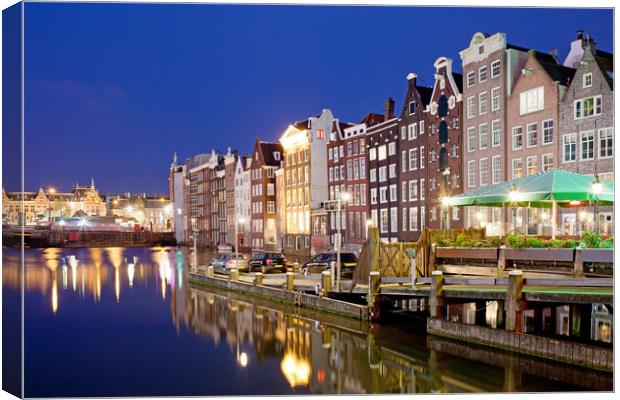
(539, 191)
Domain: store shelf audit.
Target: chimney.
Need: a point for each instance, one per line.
(412, 79)
(554, 54)
(579, 34)
(388, 110)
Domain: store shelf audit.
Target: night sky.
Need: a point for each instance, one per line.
(113, 90)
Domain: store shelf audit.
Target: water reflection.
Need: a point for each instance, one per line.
(307, 351)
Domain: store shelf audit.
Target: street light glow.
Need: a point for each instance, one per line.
(243, 359)
(514, 195)
(345, 196)
(129, 209)
(446, 201)
(597, 187)
(51, 190)
(368, 223)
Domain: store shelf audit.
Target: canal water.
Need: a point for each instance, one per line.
(125, 322)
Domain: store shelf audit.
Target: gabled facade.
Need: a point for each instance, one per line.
(413, 160)
(177, 177)
(587, 130)
(243, 201)
(304, 145)
(445, 145)
(382, 142)
(266, 159)
(533, 123)
(230, 163)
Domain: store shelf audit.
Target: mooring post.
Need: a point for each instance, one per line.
(326, 281)
(578, 266)
(374, 287)
(289, 280)
(210, 270)
(431, 259)
(501, 260)
(234, 275)
(514, 312)
(258, 279)
(436, 300)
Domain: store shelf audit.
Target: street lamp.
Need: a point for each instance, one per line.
(238, 220)
(446, 201)
(597, 188)
(514, 197)
(342, 197)
(368, 226)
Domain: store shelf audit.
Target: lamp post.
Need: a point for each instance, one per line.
(342, 197)
(238, 220)
(597, 188)
(514, 197)
(445, 201)
(368, 225)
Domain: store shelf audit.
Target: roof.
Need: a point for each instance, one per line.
(556, 71)
(373, 119)
(458, 79)
(268, 149)
(425, 94)
(605, 62)
(302, 125)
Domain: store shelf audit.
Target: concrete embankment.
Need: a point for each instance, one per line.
(298, 298)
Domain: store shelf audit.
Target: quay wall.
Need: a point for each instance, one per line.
(584, 355)
(297, 298)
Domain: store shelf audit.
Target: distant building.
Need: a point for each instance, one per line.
(152, 212)
(176, 179)
(383, 178)
(44, 205)
(201, 168)
(243, 201)
(445, 145)
(230, 164)
(305, 170)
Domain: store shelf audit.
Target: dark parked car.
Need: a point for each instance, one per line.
(265, 262)
(323, 261)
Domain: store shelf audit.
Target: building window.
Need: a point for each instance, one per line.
(381, 153)
(422, 160)
(393, 193)
(373, 175)
(606, 142)
(373, 196)
(363, 194)
(517, 168)
(517, 138)
(471, 139)
(483, 133)
(587, 80)
(497, 169)
(404, 161)
(384, 220)
(412, 107)
(403, 132)
(471, 77)
(484, 171)
(271, 207)
(587, 145)
(495, 68)
(391, 148)
(362, 168)
(422, 217)
(383, 194)
(413, 159)
(372, 154)
(483, 103)
(482, 73)
(496, 133)
(394, 219)
(495, 92)
(532, 134)
(413, 219)
(547, 131)
(532, 100)
(403, 190)
(392, 171)
(471, 103)
(454, 151)
(404, 227)
(421, 130)
(471, 173)
(569, 147)
(382, 174)
(531, 165)
(588, 107)
(547, 162)
(422, 189)
(412, 131)
(413, 190)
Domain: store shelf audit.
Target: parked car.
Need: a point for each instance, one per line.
(324, 261)
(240, 262)
(265, 262)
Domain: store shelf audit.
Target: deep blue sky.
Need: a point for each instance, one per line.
(113, 90)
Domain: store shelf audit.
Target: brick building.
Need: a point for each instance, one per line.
(243, 201)
(383, 180)
(587, 127)
(413, 161)
(533, 121)
(445, 144)
(266, 158)
(230, 164)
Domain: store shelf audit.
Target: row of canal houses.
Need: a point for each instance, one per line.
(511, 112)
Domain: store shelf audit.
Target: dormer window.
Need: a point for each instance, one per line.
(412, 107)
(276, 155)
(481, 49)
(587, 80)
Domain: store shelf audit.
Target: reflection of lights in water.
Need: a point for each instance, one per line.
(243, 359)
(74, 277)
(115, 255)
(179, 261)
(54, 293)
(117, 284)
(296, 370)
(64, 276)
(73, 261)
(131, 271)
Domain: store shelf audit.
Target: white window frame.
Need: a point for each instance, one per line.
(587, 80)
(471, 173)
(486, 136)
(607, 131)
(471, 139)
(582, 135)
(514, 130)
(483, 99)
(572, 142)
(496, 98)
(528, 133)
(496, 123)
(496, 63)
(496, 161)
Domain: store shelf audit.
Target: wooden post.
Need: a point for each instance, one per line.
(514, 312)
(326, 281)
(436, 299)
(289, 281)
(374, 287)
(375, 248)
(234, 275)
(578, 266)
(431, 262)
(554, 215)
(501, 261)
(258, 279)
(210, 270)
